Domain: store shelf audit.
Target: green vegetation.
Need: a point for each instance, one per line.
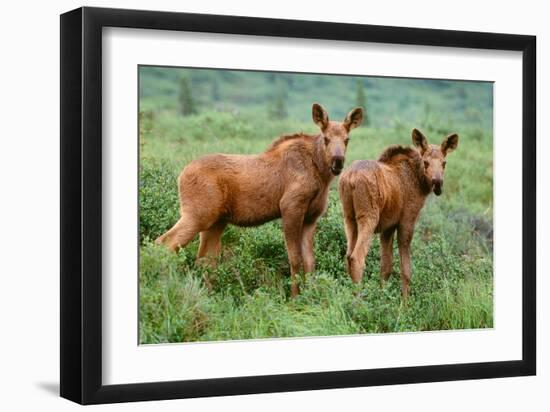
(389, 100)
(452, 284)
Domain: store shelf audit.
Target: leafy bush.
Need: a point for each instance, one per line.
(158, 198)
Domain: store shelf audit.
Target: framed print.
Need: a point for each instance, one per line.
(256, 205)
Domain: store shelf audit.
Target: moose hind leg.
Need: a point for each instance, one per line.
(183, 232)
(386, 253)
(210, 248)
(350, 227)
(365, 229)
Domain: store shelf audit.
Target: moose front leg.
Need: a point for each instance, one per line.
(308, 231)
(404, 238)
(292, 228)
(293, 220)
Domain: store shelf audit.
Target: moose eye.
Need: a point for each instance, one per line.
(346, 140)
(443, 164)
(426, 164)
(327, 141)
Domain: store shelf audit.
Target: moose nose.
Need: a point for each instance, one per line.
(437, 185)
(338, 162)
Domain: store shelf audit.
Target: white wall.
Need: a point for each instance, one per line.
(29, 205)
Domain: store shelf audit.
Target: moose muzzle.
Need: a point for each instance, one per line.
(437, 185)
(337, 165)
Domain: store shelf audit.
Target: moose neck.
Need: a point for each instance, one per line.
(423, 184)
(320, 160)
(416, 169)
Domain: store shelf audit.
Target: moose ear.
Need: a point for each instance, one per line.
(419, 140)
(449, 144)
(354, 118)
(320, 116)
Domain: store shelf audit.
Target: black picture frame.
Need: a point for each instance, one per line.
(81, 204)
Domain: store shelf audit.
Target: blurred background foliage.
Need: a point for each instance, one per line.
(390, 100)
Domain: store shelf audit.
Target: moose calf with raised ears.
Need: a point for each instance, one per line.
(289, 180)
(386, 196)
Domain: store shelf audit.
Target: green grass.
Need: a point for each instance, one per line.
(452, 284)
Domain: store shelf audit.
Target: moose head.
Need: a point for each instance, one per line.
(335, 135)
(434, 158)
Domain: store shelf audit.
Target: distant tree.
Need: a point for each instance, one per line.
(187, 103)
(361, 99)
(215, 90)
(278, 109)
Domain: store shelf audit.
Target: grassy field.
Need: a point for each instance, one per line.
(452, 283)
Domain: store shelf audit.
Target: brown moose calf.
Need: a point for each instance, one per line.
(289, 180)
(387, 195)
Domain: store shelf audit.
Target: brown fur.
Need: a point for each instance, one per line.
(289, 180)
(387, 195)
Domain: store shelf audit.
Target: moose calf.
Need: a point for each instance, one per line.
(289, 180)
(387, 195)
